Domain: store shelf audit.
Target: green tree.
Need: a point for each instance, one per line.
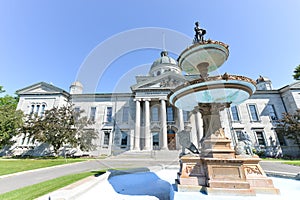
(297, 73)
(84, 134)
(289, 125)
(11, 119)
(60, 127)
(1, 89)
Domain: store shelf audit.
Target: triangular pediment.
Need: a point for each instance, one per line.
(295, 85)
(165, 81)
(41, 88)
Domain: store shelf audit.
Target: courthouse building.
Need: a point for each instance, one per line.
(144, 120)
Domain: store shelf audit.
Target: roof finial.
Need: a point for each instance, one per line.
(164, 53)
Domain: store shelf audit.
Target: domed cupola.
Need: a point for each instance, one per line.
(263, 83)
(164, 64)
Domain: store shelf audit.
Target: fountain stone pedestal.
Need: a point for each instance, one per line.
(217, 169)
(238, 176)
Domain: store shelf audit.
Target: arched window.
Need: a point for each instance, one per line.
(37, 109)
(43, 109)
(32, 109)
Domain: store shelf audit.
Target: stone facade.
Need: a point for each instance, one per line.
(144, 120)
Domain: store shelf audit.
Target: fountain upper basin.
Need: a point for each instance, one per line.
(208, 55)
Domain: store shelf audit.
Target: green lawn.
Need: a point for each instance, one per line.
(289, 162)
(9, 166)
(292, 162)
(40, 189)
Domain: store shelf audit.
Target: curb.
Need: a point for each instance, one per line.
(79, 188)
(283, 175)
(39, 169)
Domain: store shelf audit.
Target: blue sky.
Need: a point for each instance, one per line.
(51, 40)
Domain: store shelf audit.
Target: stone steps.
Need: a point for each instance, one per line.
(155, 154)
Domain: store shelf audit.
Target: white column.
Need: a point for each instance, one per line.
(180, 128)
(137, 134)
(180, 117)
(131, 139)
(199, 127)
(164, 142)
(147, 125)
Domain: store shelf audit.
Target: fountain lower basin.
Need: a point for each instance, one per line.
(231, 89)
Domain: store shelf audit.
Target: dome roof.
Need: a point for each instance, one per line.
(164, 59)
(164, 64)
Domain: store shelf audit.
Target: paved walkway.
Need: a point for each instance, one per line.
(19, 180)
(280, 169)
(103, 187)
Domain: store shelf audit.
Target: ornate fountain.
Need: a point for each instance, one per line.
(217, 169)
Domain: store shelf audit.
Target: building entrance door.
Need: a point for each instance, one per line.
(155, 140)
(171, 140)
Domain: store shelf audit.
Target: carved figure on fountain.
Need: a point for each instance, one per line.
(244, 146)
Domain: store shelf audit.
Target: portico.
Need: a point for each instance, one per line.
(153, 128)
(156, 120)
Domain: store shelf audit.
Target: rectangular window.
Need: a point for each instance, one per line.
(125, 114)
(155, 140)
(268, 86)
(186, 116)
(260, 138)
(77, 109)
(253, 113)
(106, 138)
(108, 114)
(170, 116)
(76, 113)
(272, 112)
(238, 134)
(124, 139)
(154, 114)
(93, 114)
(234, 113)
(280, 138)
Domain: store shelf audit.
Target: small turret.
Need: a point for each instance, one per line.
(263, 83)
(76, 88)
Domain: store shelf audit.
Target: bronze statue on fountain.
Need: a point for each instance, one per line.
(199, 33)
